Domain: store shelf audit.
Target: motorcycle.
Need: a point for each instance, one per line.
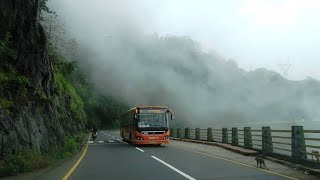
(94, 135)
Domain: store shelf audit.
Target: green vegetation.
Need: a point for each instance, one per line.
(7, 54)
(9, 76)
(72, 146)
(64, 86)
(6, 103)
(42, 95)
(22, 161)
(27, 160)
(102, 110)
(10, 79)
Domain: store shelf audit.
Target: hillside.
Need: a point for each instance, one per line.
(203, 88)
(38, 105)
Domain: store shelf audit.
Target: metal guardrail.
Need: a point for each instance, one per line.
(291, 143)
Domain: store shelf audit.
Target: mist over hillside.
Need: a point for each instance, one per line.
(203, 88)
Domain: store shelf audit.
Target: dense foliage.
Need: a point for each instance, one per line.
(102, 111)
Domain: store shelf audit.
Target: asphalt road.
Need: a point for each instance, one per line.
(110, 158)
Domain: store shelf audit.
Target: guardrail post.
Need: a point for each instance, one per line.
(247, 138)
(197, 133)
(224, 135)
(235, 141)
(298, 145)
(178, 133)
(267, 146)
(187, 133)
(209, 134)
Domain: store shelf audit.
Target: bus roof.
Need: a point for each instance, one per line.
(155, 107)
(142, 107)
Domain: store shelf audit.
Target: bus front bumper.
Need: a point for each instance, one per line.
(151, 141)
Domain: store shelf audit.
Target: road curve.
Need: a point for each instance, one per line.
(109, 158)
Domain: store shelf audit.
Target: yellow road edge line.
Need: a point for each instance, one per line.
(65, 177)
(229, 160)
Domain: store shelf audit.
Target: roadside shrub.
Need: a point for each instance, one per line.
(71, 145)
(22, 161)
(28, 160)
(67, 154)
(39, 162)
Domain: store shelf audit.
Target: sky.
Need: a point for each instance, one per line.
(255, 33)
(272, 34)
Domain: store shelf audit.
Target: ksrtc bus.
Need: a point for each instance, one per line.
(146, 125)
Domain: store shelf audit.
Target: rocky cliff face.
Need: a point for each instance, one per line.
(31, 120)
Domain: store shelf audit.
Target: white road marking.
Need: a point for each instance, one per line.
(118, 140)
(173, 168)
(236, 162)
(90, 142)
(125, 142)
(111, 141)
(140, 149)
(101, 141)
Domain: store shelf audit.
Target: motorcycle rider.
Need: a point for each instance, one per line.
(94, 133)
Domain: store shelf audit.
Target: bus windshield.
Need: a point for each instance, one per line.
(152, 120)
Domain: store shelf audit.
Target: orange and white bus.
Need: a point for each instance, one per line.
(146, 125)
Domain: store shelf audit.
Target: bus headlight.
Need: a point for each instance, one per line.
(166, 137)
(139, 138)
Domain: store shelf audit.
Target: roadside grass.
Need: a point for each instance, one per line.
(28, 160)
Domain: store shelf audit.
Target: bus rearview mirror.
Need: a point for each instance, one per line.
(172, 117)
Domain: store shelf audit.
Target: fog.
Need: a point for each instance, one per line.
(127, 58)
